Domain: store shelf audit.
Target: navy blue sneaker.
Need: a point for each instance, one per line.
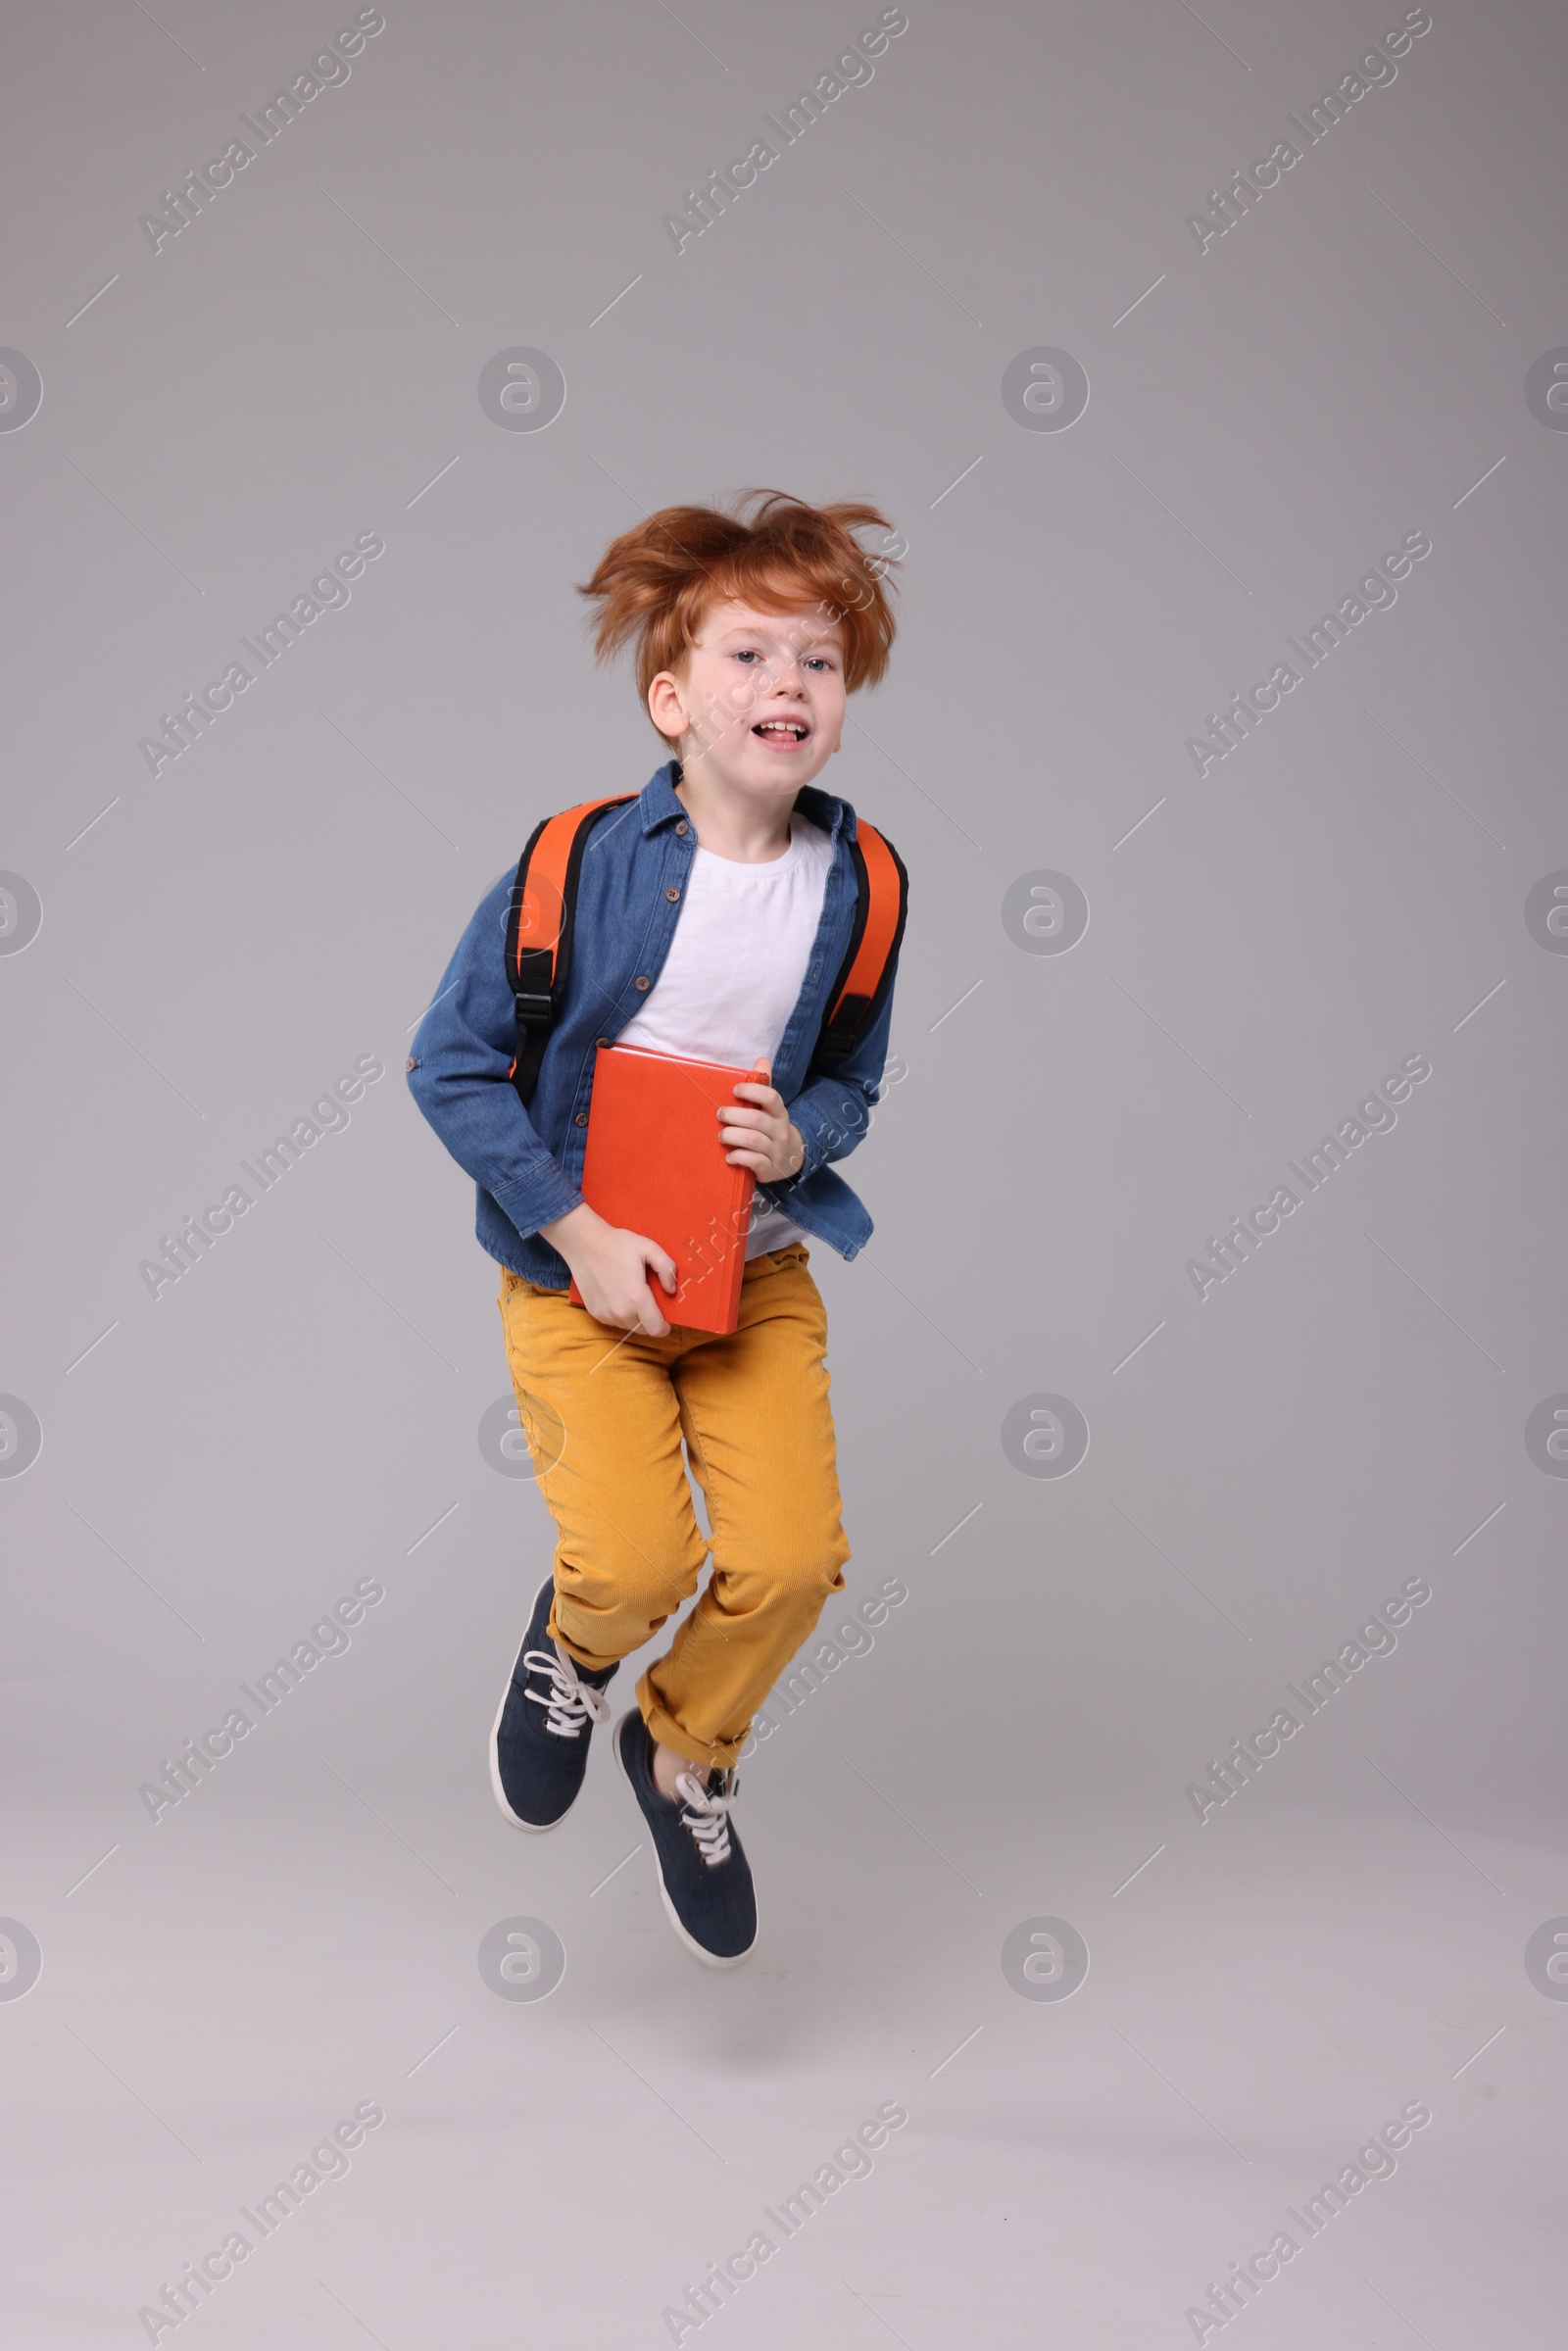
(704, 1877)
(539, 1742)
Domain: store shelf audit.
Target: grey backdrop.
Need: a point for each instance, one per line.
(1369, 1920)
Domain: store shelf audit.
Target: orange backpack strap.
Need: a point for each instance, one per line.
(866, 975)
(539, 927)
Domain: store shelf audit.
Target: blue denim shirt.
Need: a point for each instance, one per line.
(528, 1164)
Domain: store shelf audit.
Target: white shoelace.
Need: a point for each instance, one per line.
(568, 1704)
(707, 1816)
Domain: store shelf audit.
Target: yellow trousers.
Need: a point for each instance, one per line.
(605, 1413)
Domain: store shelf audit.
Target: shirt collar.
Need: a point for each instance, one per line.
(657, 804)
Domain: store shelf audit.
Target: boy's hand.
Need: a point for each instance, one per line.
(762, 1139)
(612, 1269)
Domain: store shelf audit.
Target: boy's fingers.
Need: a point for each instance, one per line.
(648, 1313)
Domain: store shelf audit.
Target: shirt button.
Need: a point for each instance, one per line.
(410, 1063)
(642, 983)
(673, 893)
(682, 826)
(582, 1118)
(601, 1039)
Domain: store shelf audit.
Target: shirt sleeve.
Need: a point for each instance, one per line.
(458, 1074)
(833, 1113)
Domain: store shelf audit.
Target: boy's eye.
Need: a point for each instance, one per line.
(750, 655)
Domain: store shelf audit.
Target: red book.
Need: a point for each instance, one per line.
(654, 1164)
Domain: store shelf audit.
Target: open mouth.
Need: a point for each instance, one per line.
(783, 733)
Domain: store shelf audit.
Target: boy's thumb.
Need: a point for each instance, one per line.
(762, 1069)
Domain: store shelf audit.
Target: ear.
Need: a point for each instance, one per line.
(666, 706)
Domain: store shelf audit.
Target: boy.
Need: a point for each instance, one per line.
(713, 917)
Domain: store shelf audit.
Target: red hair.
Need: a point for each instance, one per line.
(655, 585)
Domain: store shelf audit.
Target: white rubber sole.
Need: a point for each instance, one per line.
(706, 1958)
(530, 1827)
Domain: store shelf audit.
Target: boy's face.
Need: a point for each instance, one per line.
(759, 700)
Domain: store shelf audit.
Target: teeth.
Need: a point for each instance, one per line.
(781, 727)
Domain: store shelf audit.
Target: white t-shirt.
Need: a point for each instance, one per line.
(735, 969)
